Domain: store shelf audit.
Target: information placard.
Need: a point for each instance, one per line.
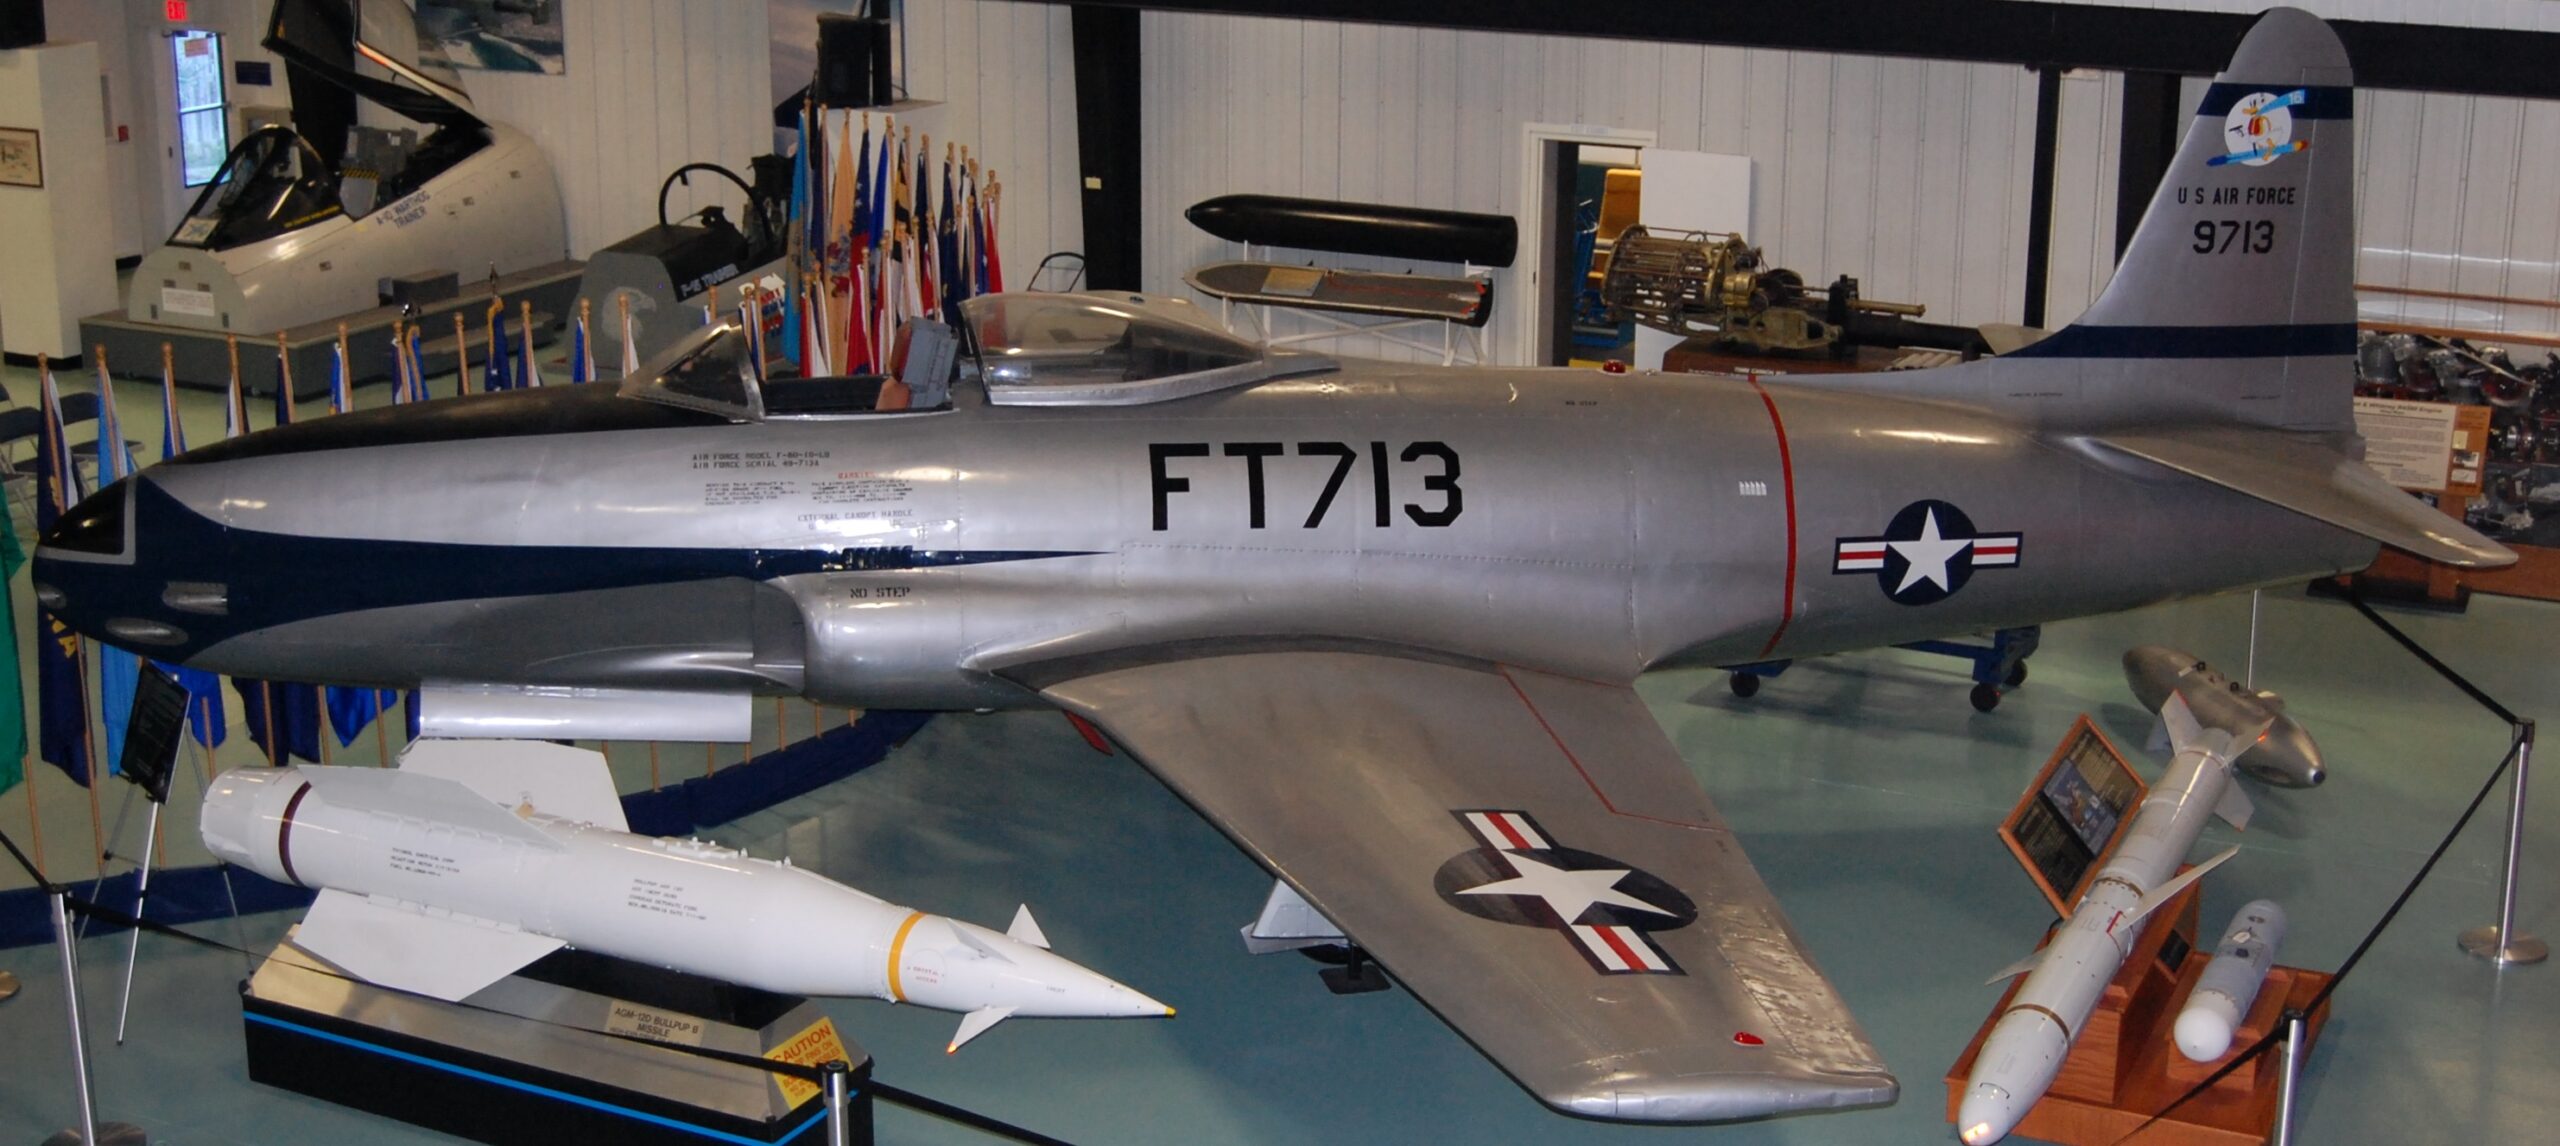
(2409, 443)
(2069, 819)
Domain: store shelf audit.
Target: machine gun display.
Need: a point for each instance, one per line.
(1715, 285)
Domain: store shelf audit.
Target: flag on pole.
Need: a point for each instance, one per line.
(417, 353)
(62, 696)
(528, 371)
(501, 373)
(630, 338)
(13, 687)
(284, 384)
(273, 707)
(339, 400)
(205, 716)
(792, 333)
(582, 359)
(857, 350)
(235, 405)
(117, 668)
(995, 204)
(813, 341)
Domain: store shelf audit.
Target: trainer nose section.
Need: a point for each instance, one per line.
(86, 575)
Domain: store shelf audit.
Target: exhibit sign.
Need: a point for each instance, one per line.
(2068, 820)
(2429, 447)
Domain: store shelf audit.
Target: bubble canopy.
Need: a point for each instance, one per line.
(1113, 349)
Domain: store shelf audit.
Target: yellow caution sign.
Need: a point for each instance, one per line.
(815, 1046)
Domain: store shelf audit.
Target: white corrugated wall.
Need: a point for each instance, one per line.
(1912, 175)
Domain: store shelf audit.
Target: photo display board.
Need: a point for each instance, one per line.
(2069, 819)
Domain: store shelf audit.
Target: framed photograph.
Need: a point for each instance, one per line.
(21, 157)
(2068, 820)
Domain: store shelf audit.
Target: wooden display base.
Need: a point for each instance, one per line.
(2124, 1067)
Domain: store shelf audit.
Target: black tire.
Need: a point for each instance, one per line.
(2017, 675)
(1745, 685)
(1985, 697)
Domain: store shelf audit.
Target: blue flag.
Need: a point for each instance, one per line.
(580, 369)
(802, 214)
(284, 389)
(62, 692)
(273, 707)
(118, 670)
(350, 709)
(498, 375)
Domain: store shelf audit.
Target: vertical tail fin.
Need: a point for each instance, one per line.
(2235, 301)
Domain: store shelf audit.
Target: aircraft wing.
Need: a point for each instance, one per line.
(1526, 853)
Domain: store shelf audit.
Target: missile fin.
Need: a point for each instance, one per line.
(556, 779)
(2159, 741)
(968, 935)
(1026, 929)
(409, 795)
(2180, 722)
(976, 1023)
(395, 945)
(2167, 891)
(2234, 807)
(2016, 969)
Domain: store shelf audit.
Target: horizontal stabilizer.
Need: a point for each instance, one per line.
(2316, 481)
(556, 779)
(417, 796)
(444, 956)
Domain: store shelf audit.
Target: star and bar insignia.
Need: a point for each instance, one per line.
(1927, 553)
(1608, 909)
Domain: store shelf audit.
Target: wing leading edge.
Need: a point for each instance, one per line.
(1527, 854)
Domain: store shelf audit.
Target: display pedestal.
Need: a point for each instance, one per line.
(2124, 1067)
(521, 1061)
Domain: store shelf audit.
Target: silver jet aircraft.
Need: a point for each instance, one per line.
(1377, 621)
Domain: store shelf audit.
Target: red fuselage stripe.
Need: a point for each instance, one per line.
(284, 834)
(1787, 474)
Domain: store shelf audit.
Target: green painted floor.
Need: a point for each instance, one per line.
(1864, 787)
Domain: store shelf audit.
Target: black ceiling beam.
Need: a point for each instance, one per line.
(2421, 57)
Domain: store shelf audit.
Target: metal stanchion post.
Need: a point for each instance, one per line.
(839, 1083)
(79, 1033)
(2498, 942)
(2249, 672)
(133, 942)
(2292, 1078)
(87, 1133)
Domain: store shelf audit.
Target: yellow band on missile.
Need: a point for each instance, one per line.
(897, 947)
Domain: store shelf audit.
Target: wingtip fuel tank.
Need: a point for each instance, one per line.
(447, 874)
(2286, 757)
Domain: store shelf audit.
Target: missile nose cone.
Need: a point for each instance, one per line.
(1987, 1114)
(987, 969)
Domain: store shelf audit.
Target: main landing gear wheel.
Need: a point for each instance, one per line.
(1986, 697)
(1745, 685)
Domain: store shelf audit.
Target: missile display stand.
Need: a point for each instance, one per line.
(522, 1061)
(2125, 1067)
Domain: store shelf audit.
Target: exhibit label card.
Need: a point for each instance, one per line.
(2409, 443)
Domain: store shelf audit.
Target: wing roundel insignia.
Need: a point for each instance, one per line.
(1927, 553)
(1608, 909)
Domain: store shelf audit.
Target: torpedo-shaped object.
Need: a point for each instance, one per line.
(472, 860)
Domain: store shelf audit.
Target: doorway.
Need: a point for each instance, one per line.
(1567, 171)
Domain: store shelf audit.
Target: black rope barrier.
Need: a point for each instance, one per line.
(2516, 726)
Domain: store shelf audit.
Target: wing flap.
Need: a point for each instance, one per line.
(1526, 853)
(397, 945)
(2316, 481)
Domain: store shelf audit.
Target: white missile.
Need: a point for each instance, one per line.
(470, 861)
(2064, 981)
(2230, 983)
